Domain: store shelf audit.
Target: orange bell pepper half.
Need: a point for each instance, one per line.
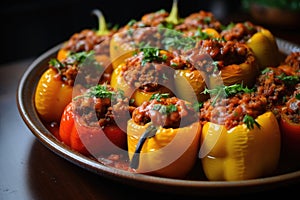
(89, 140)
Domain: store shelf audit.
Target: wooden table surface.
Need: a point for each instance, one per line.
(29, 170)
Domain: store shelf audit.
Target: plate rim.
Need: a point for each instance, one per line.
(161, 184)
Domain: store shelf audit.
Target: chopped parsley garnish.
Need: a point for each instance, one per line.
(197, 106)
(102, 91)
(249, 27)
(201, 35)
(290, 80)
(131, 22)
(207, 20)
(152, 54)
(250, 122)
(78, 58)
(56, 64)
(163, 109)
(82, 57)
(266, 70)
(226, 91)
(158, 96)
(228, 27)
(176, 41)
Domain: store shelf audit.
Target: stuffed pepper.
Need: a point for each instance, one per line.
(290, 126)
(280, 85)
(240, 138)
(163, 137)
(277, 84)
(94, 123)
(258, 38)
(145, 73)
(55, 87)
(91, 40)
(145, 32)
(201, 20)
(223, 62)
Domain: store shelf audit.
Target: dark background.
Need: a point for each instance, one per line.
(30, 27)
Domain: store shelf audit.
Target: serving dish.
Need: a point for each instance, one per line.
(25, 96)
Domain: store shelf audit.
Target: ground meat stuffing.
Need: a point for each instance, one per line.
(98, 111)
(209, 54)
(240, 32)
(231, 111)
(137, 33)
(273, 85)
(150, 73)
(88, 40)
(166, 112)
(293, 60)
(155, 19)
(292, 106)
(202, 20)
(131, 37)
(84, 68)
(68, 73)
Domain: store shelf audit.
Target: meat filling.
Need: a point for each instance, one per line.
(100, 111)
(210, 54)
(231, 111)
(168, 113)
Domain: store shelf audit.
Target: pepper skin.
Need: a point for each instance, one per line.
(78, 136)
(290, 136)
(290, 130)
(62, 54)
(212, 33)
(118, 82)
(265, 48)
(68, 133)
(243, 73)
(51, 96)
(190, 84)
(170, 153)
(240, 153)
(119, 51)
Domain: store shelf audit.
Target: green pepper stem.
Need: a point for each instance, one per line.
(174, 16)
(102, 29)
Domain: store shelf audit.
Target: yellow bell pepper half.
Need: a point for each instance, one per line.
(265, 48)
(170, 153)
(240, 153)
(189, 85)
(120, 50)
(51, 96)
(244, 73)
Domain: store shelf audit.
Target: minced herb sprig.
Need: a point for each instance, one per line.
(152, 54)
(102, 91)
(158, 96)
(165, 109)
(250, 122)
(79, 58)
(223, 91)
